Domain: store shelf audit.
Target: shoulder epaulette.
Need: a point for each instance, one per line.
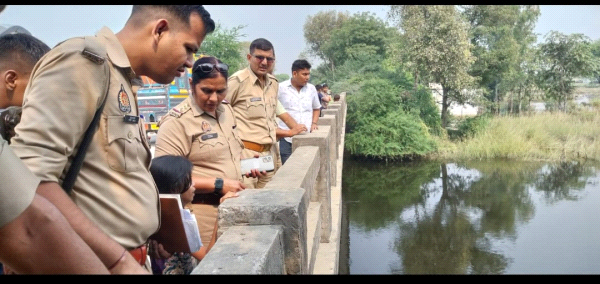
(93, 50)
(225, 101)
(273, 77)
(179, 111)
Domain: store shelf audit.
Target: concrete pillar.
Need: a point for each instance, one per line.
(261, 248)
(299, 171)
(338, 118)
(331, 121)
(323, 185)
(286, 207)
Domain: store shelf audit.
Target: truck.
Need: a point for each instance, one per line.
(155, 100)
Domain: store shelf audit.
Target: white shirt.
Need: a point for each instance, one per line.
(299, 105)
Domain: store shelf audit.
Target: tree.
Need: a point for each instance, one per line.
(224, 44)
(317, 33)
(502, 36)
(596, 53)
(438, 47)
(562, 58)
(362, 35)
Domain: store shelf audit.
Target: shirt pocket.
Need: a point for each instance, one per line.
(255, 108)
(124, 145)
(206, 149)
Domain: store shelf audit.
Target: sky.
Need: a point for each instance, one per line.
(280, 24)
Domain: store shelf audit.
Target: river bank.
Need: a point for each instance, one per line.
(547, 136)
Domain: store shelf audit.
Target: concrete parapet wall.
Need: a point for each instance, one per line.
(299, 171)
(335, 112)
(291, 225)
(323, 182)
(286, 207)
(246, 250)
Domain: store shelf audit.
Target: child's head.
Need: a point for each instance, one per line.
(173, 174)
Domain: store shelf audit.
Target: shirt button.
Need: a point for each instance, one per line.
(129, 135)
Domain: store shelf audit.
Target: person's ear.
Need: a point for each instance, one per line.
(10, 79)
(160, 27)
(248, 56)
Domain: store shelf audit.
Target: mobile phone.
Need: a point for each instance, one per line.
(263, 163)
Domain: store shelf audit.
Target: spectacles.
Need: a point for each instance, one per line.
(209, 67)
(261, 58)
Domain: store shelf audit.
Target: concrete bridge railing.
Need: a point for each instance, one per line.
(292, 225)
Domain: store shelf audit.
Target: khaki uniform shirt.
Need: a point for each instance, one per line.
(254, 105)
(114, 187)
(211, 144)
(17, 185)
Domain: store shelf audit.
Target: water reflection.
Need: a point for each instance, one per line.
(487, 217)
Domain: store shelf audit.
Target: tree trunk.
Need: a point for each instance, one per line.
(445, 106)
(496, 99)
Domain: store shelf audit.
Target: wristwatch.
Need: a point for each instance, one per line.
(218, 186)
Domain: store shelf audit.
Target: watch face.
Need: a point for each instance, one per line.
(219, 185)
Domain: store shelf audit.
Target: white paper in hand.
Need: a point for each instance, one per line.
(191, 230)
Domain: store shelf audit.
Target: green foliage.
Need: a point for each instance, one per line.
(282, 77)
(421, 101)
(224, 44)
(554, 136)
(595, 47)
(362, 35)
(503, 37)
(470, 126)
(437, 48)
(381, 129)
(562, 58)
(317, 32)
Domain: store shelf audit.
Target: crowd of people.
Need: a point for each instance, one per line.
(88, 129)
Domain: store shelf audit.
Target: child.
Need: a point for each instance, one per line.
(173, 174)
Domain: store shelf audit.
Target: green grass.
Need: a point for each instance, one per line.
(545, 136)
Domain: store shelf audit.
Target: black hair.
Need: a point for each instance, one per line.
(323, 85)
(300, 64)
(198, 75)
(319, 87)
(172, 174)
(262, 44)
(182, 13)
(22, 50)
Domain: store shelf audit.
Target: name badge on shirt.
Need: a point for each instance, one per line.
(255, 99)
(131, 119)
(209, 136)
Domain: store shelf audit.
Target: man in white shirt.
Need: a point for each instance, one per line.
(300, 100)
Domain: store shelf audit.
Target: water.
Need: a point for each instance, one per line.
(488, 217)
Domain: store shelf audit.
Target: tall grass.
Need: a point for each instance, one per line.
(544, 136)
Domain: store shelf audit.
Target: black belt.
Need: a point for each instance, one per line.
(206, 198)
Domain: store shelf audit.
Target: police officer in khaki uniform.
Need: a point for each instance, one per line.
(204, 129)
(115, 196)
(31, 227)
(252, 92)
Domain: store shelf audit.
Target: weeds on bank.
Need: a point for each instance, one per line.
(545, 136)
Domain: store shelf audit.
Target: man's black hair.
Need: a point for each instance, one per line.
(262, 44)
(183, 13)
(300, 64)
(21, 48)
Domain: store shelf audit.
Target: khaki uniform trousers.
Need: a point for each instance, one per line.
(206, 216)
